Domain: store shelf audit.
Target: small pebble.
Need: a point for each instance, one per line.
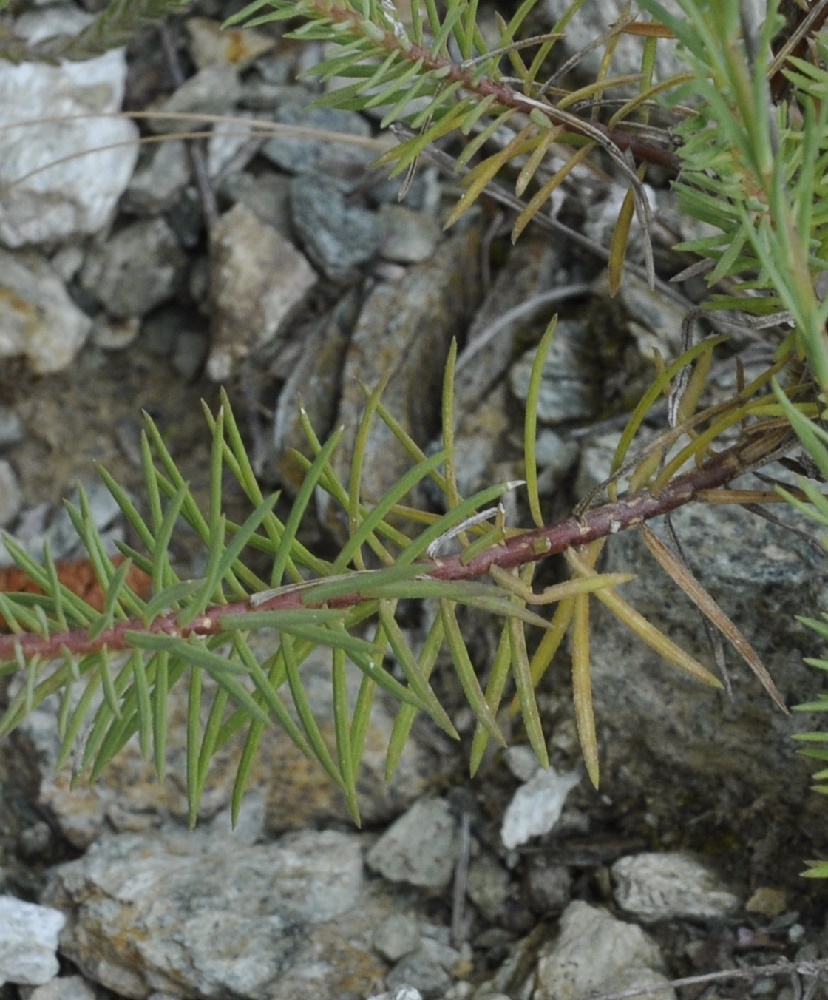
(11, 496)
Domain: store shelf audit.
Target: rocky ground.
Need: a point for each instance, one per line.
(276, 264)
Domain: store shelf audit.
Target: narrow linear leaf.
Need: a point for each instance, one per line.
(466, 673)
(407, 713)
(681, 575)
(411, 669)
(530, 429)
(309, 724)
(300, 504)
(582, 688)
(342, 731)
(526, 691)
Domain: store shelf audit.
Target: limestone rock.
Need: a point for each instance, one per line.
(28, 942)
(656, 887)
(88, 159)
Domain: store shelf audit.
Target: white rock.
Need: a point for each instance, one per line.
(536, 806)
(665, 886)
(52, 186)
(28, 942)
(37, 317)
(65, 988)
(522, 762)
(595, 953)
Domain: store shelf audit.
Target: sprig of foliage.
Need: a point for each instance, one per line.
(754, 171)
(114, 669)
(750, 169)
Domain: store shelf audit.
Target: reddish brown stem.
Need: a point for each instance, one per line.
(526, 547)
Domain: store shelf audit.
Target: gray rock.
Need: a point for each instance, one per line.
(37, 318)
(230, 141)
(190, 354)
(522, 762)
(406, 236)
(28, 942)
(398, 936)
(11, 496)
(656, 887)
(186, 218)
(556, 458)
(313, 387)
(488, 886)
(403, 334)
(547, 886)
(421, 969)
(570, 384)
(336, 236)
(257, 282)
(266, 195)
(68, 261)
(209, 917)
(762, 576)
(90, 159)
(114, 335)
(213, 90)
(595, 953)
(11, 428)
(401, 993)
(653, 320)
(420, 848)
(490, 346)
(162, 175)
(135, 270)
(514, 978)
(483, 435)
(342, 163)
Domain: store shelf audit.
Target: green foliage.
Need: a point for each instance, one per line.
(755, 172)
(814, 505)
(750, 168)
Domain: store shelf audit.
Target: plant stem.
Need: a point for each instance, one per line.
(517, 550)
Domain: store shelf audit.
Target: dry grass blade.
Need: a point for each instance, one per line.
(682, 576)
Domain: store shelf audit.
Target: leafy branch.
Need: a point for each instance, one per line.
(749, 164)
(125, 659)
